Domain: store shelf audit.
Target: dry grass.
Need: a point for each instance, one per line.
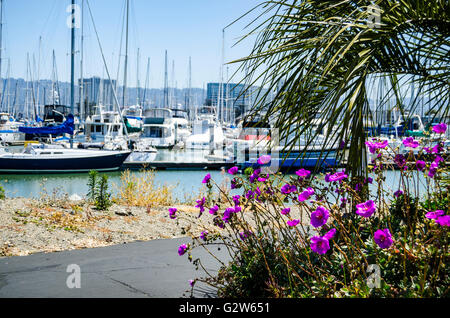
(141, 190)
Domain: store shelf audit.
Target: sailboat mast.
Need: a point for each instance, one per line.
(166, 85)
(146, 83)
(138, 84)
(72, 68)
(1, 38)
(81, 99)
(126, 58)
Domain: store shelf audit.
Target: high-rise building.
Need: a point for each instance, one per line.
(97, 91)
(232, 100)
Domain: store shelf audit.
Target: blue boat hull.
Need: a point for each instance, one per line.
(64, 165)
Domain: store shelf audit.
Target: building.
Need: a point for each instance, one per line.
(232, 100)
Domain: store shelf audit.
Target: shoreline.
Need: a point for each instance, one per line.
(28, 226)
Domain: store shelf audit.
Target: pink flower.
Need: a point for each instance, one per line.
(182, 249)
(214, 210)
(319, 217)
(443, 220)
(330, 234)
(366, 209)
(435, 214)
(293, 223)
(233, 170)
(410, 142)
(338, 176)
(264, 159)
(172, 213)
(374, 146)
(383, 238)
(433, 169)
(420, 164)
(320, 245)
(206, 178)
(440, 128)
(303, 173)
(306, 194)
(285, 211)
(203, 235)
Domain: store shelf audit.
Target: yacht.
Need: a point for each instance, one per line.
(182, 129)
(158, 129)
(207, 132)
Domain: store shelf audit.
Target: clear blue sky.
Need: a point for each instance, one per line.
(183, 27)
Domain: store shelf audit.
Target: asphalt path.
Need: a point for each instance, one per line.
(133, 270)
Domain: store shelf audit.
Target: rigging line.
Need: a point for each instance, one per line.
(120, 46)
(106, 68)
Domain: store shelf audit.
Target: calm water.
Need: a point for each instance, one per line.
(186, 182)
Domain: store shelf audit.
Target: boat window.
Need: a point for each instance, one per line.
(98, 129)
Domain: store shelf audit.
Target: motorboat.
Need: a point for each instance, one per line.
(158, 129)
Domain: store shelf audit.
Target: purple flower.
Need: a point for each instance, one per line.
(338, 176)
(285, 211)
(440, 128)
(236, 199)
(191, 282)
(400, 160)
(303, 173)
(287, 188)
(420, 164)
(252, 178)
(320, 245)
(319, 217)
(200, 204)
(438, 159)
(245, 234)
(214, 210)
(368, 180)
(358, 187)
(233, 184)
(263, 179)
(410, 142)
(293, 223)
(249, 195)
(435, 214)
(206, 178)
(306, 194)
(264, 159)
(374, 146)
(398, 193)
(227, 214)
(366, 209)
(172, 213)
(433, 169)
(233, 170)
(342, 144)
(330, 234)
(203, 235)
(383, 238)
(443, 220)
(182, 249)
(327, 177)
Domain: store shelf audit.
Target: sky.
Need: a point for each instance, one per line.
(185, 28)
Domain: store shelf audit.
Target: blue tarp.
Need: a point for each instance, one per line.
(65, 128)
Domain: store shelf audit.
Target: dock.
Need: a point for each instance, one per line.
(177, 165)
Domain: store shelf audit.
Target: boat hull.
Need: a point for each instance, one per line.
(108, 162)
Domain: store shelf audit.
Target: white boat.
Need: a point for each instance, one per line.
(182, 129)
(207, 132)
(9, 133)
(158, 129)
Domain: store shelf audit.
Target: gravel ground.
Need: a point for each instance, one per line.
(29, 226)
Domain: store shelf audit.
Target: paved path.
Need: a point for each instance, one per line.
(138, 269)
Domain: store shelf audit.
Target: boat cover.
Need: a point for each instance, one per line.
(65, 128)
